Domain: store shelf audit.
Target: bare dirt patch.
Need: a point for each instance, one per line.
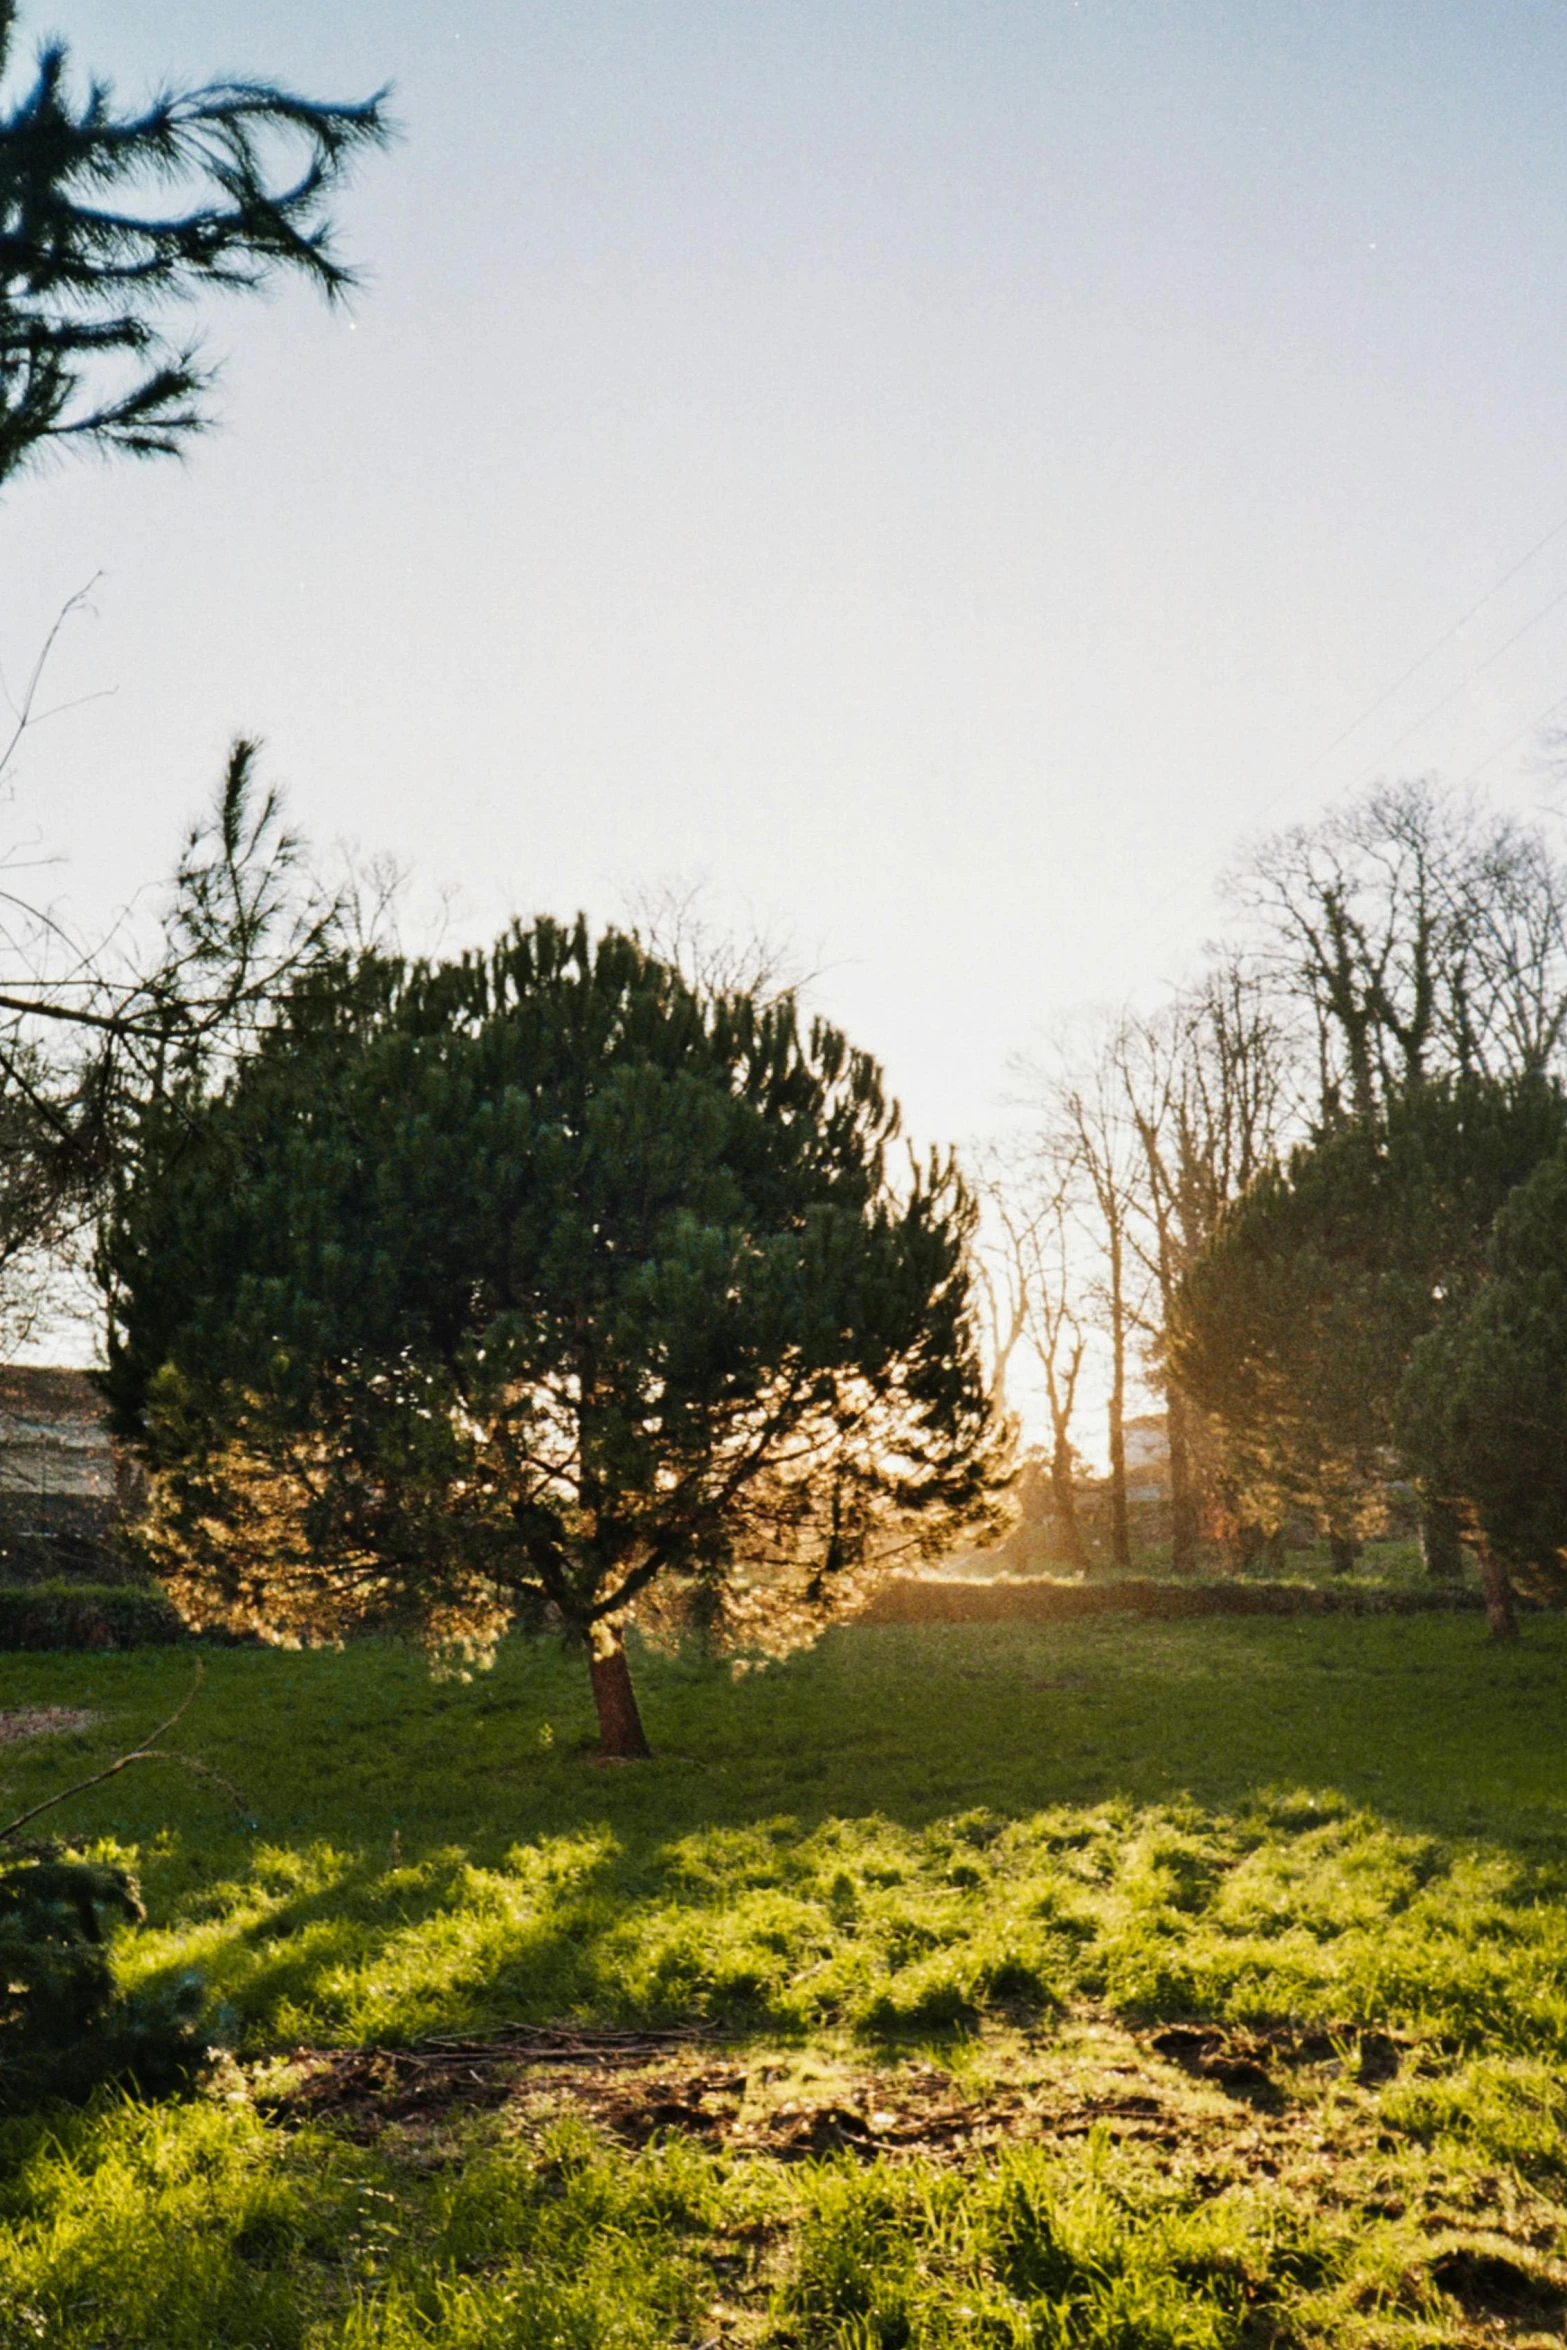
(1489, 2281)
(363, 2089)
(43, 1721)
(1257, 2064)
(1195, 2087)
(1204, 2107)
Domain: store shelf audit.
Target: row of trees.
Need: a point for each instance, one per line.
(586, 1276)
(1269, 1194)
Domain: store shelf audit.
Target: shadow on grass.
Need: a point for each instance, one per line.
(899, 1833)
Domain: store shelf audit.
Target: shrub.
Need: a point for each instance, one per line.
(63, 2026)
(88, 1615)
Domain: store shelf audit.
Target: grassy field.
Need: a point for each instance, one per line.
(1109, 1984)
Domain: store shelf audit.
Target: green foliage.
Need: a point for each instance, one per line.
(58, 1614)
(64, 2025)
(88, 264)
(1484, 1405)
(1295, 1326)
(541, 1276)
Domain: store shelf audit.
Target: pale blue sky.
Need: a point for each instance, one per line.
(943, 470)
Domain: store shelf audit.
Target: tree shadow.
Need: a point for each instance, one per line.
(898, 1834)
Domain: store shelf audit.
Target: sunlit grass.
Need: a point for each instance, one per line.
(910, 1840)
(904, 1832)
(196, 2225)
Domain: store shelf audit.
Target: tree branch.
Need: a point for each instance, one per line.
(150, 1752)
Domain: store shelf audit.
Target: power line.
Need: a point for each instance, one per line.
(1465, 683)
(1446, 638)
(1415, 667)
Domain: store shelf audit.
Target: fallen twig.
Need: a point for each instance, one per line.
(149, 1752)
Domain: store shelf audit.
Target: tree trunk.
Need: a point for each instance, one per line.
(1441, 1542)
(1343, 1551)
(1063, 1501)
(621, 1736)
(1500, 1612)
(1183, 1496)
(1120, 1524)
(1248, 1544)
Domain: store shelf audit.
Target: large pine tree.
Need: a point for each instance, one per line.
(543, 1279)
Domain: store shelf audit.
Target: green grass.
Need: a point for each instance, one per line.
(201, 2230)
(968, 1847)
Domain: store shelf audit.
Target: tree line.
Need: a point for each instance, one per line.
(1297, 1197)
(590, 1277)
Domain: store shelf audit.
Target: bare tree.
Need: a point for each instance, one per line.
(1099, 1141)
(1026, 1278)
(1357, 918)
(1057, 1336)
(1509, 1004)
(675, 921)
(1421, 935)
(1205, 1083)
(1002, 1266)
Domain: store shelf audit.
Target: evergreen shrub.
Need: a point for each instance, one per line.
(60, 1614)
(64, 2028)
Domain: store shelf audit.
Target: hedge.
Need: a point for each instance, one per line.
(935, 1599)
(87, 1615)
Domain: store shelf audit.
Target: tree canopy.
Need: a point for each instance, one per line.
(543, 1278)
(1295, 1327)
(1483, 1412)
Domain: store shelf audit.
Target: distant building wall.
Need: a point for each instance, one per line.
(54, 1442)
(1147, 1440)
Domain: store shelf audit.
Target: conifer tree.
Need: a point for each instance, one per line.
(545, 1280)
(1294, 1328)
(107, 219)
(1483, 1408)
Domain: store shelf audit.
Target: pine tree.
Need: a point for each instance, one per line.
(65, 2026)
(89, 263)
(1483, 1409)
(544, 1279)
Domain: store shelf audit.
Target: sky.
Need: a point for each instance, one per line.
(943, 475)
